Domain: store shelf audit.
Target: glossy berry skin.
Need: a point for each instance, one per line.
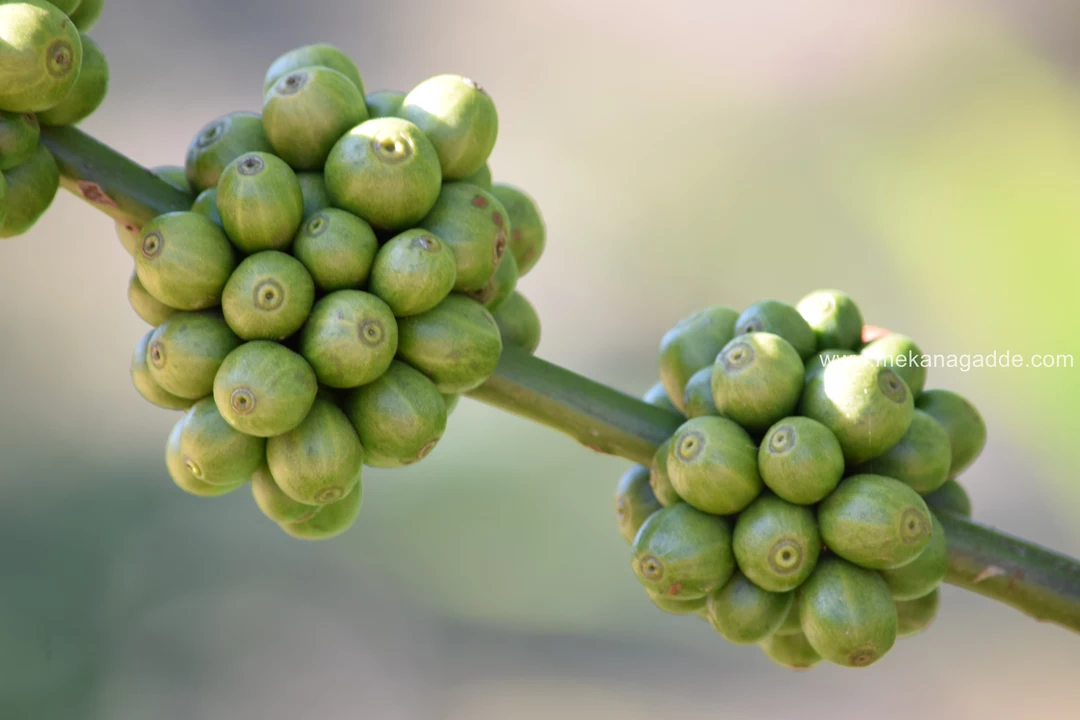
(331, 520)
(875, 522)
(920, 459)
(184, 260)
(19, 136)
(847, 613)
(313, 189)
(146, 306)
(350, 338)
(384, 103)
(674, 606)
(319, 55)
(757, 380)
(657, 397)
(268, 296)
(481, 179)
(776, 543)
(792, 651)
(264, 389)
(519, 323)
(181, 475)
(914, 616)
(780, 319)
(40, 56)
(275, 504)
(318, 462)
(834, 317)
(31, 188)
(659, 479)
(950, 497)
(528, 235)
(400, 416)
(219, 143)
(86, 14)
(962, 422)
(500, 286)
(456, 344)
(206, 204)
(413, 272)
(260, 202)
(146, 385)
(634, 502)
(691, 345)
(459, 118)
(800, 460)
(213, 451)
(88, 92)
(683, 554)
(698, 398)
(307, 110)
(902, 355)
(386, 172)
(923, 574)
(476, 227)
(713, 465)
(816, 363)
(745, 614)
(186, 351)
(337, 248)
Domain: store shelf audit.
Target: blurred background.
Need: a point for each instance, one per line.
(924, 156)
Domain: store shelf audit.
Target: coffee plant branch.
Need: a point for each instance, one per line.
(1037, 581)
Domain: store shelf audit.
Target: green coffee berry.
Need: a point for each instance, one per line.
(307, 110)
(319, 55)
(834, 317)
(319, 461)
(962, 422)
(634, 502)
(86, 94)
(847, 613)
(331, 520)
(413, 272)
(206, 204)
(384, 103)
(519, 324)
(500, 286)
(66, 6)
(475, 226)
(313, 190)
(920, 459)
(459, 118)
(923, 574)
(698, 398)
(146, 306)
(527, 232)
(674, 606)
(146, 385)
(683, 554)
(400, 416)
(19, 135)
(456, 344)
(867, 407)
(657, 397)
(268, 296)
(385, 171)
(745, 614)
(186, 351)
(815, 364)
(337, 248)
(779, 319)
(350, 338)
(260, 202)
(451, 401)
(875, 522)
(713, 465)
(692, 345)
(3, 199)
(40, 56)
(914, 616)
(264, 389)
(213, 451)
(660, 479)
(87, 14)
(184, 260)
(130, 236)
(757, 380)
(275, 504)
(900, 353)
(31, 188)
(482, 179)
(178, 470)
(220, 143)
(790, 651)
(776, 543)
(950, 497)
(791, 625)
(174, 176)
(800, 460)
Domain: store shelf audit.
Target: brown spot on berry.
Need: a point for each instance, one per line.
(480, 201)
(496, 217)
(675, 589)
(516, 234)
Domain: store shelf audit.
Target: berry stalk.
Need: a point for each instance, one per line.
(1037, 581)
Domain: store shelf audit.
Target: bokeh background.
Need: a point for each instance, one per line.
(925, 156)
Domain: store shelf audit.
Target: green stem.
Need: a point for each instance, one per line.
(1032, 579)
